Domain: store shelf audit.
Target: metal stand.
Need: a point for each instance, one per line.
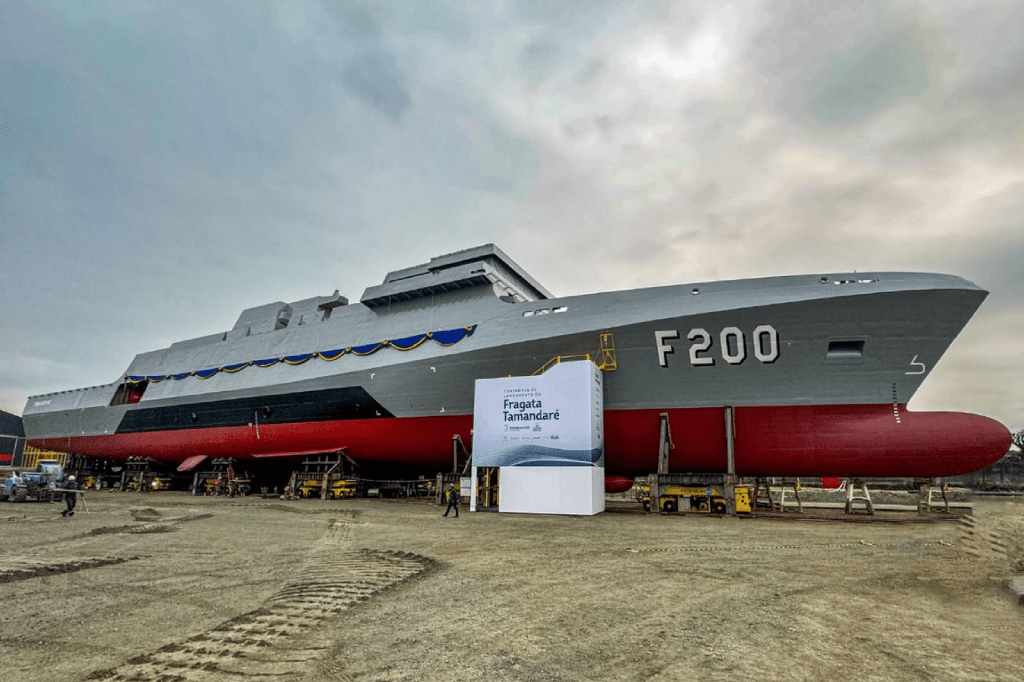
(457, 447)
(444, 480)
(700, 492)
(762, 487)
(318, 475)
(795, 488)
(730, 480)
(926, 489)
(134, 474)
(865, 497)
(665, 444)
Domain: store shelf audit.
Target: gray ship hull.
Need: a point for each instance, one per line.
(821, 354)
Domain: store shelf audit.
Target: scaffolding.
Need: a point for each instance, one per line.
(32, 456)
(604, 357)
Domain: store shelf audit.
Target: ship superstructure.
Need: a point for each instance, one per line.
(815, 369)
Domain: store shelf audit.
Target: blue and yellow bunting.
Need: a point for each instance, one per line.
(297, 359)
(368, 349)
(448, 337)
(409, 342)
(231, 369)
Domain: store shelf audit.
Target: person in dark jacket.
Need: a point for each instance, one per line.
(453, 497)
(70, 496)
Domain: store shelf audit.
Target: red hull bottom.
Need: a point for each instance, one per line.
(824, 440)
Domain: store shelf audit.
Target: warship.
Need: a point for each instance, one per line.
(805, 375)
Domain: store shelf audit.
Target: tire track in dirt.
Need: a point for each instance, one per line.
(753, 548)
(24, 569)
(984, 543)
(998, 549)
(165, 526)
(279, 640)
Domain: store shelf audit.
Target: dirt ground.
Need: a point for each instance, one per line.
(166, 586)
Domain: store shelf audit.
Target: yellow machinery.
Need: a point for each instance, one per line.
(240, 485)
(160, 483)
(744, 499)
(311, 487)
(705, 499)
(214, 485)
(314, 487)
(324, 476)
(342, 488)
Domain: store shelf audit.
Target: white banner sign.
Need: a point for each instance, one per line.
(555, 419)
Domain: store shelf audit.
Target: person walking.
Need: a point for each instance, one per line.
(70, 496)
(453, 497)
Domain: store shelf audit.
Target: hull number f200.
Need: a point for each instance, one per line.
(732, 343)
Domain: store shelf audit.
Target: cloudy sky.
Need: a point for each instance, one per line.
(164, 165)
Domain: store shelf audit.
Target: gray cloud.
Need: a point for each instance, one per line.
(376, 79)
(839, 64)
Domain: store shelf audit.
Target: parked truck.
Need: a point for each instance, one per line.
(39, 485)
